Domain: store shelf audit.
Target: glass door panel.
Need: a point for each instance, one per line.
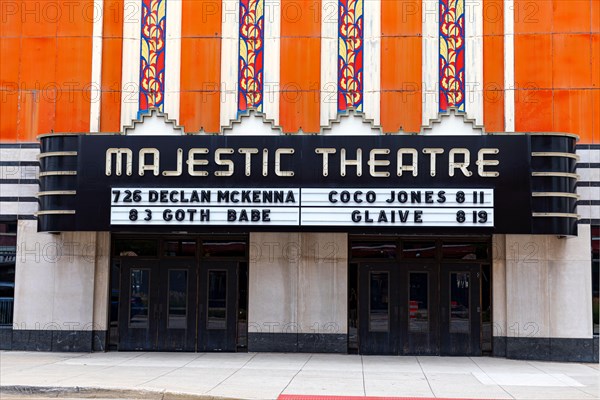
(418, 302)
(177, 308)
(138, 305)
(378, 308)
(217, 323)
(419, 319)
(139, 295)
(459, 302)
(460, 320)
(217, 300)
(178, 299)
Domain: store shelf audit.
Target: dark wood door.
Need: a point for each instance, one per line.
(379, 327)
(419, 309)
(460, 308)
(177, 305)
(217, 321)
(139, 305)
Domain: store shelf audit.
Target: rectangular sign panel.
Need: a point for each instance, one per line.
(399, 217)
(465, 208)
(398, 197)
(392, 183)
(271, 197)
(200, 216)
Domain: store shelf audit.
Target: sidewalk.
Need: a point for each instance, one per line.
(272, 376)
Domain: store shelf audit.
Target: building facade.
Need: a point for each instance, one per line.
(373, 177)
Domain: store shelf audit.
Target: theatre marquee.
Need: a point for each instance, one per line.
(494, 183)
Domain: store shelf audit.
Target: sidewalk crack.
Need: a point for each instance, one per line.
(296, 374)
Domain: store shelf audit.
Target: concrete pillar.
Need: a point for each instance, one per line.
(548, 297)
(54, 290)
(298, 292)
(499, 293)
(101, 291)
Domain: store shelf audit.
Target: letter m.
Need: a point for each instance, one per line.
(117, 154)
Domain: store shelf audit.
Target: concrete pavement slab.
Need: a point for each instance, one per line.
(268, 375)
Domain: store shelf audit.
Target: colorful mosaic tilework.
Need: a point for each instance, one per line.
(152, 54)
(250, 78)
(452, 54)
(350, 56)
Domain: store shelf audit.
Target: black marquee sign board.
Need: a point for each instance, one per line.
(368, 184)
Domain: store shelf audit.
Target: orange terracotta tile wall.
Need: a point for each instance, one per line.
(300, 65)
(45, 67)
(401, 71)
(112, 53)
(45, 73)
(493, 65)
(557, 73)
(200, 65)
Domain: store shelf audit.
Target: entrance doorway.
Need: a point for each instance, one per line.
(414, 300)
(157, 307)
(179, 294)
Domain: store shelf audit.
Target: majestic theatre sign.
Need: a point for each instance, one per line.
(408, 183)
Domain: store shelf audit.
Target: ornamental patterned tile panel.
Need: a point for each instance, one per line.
(350, 56)
(250, 75)
(152, 54)
(452, 54)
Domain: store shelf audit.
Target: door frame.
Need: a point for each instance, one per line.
(434, 259)
(378, 342)
(186, 337)
(122, 259)
(138, 338)
(208, 339)
(460, 343)
(417, 343)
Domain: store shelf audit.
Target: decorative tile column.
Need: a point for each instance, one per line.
(350, 55)
(152, 54)
(251, 52)
(452, 54)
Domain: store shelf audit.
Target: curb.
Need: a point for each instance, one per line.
(76, 392)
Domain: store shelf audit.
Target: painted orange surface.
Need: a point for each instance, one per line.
(533, 16)
(50, 68)
(572, 111)
(300, 73)
(493, 65)
(533, 110)
(533, 61)
(45, 84)
(595, 119)
(200, 65)
(11, 21)
(557, 75)
(73, 78)
(572, 65)
(200, 84)
(595, 56)
(37, 91)
(566, 12)
(595, 16)
(9, 96)
(112, 54)
(401, 70)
